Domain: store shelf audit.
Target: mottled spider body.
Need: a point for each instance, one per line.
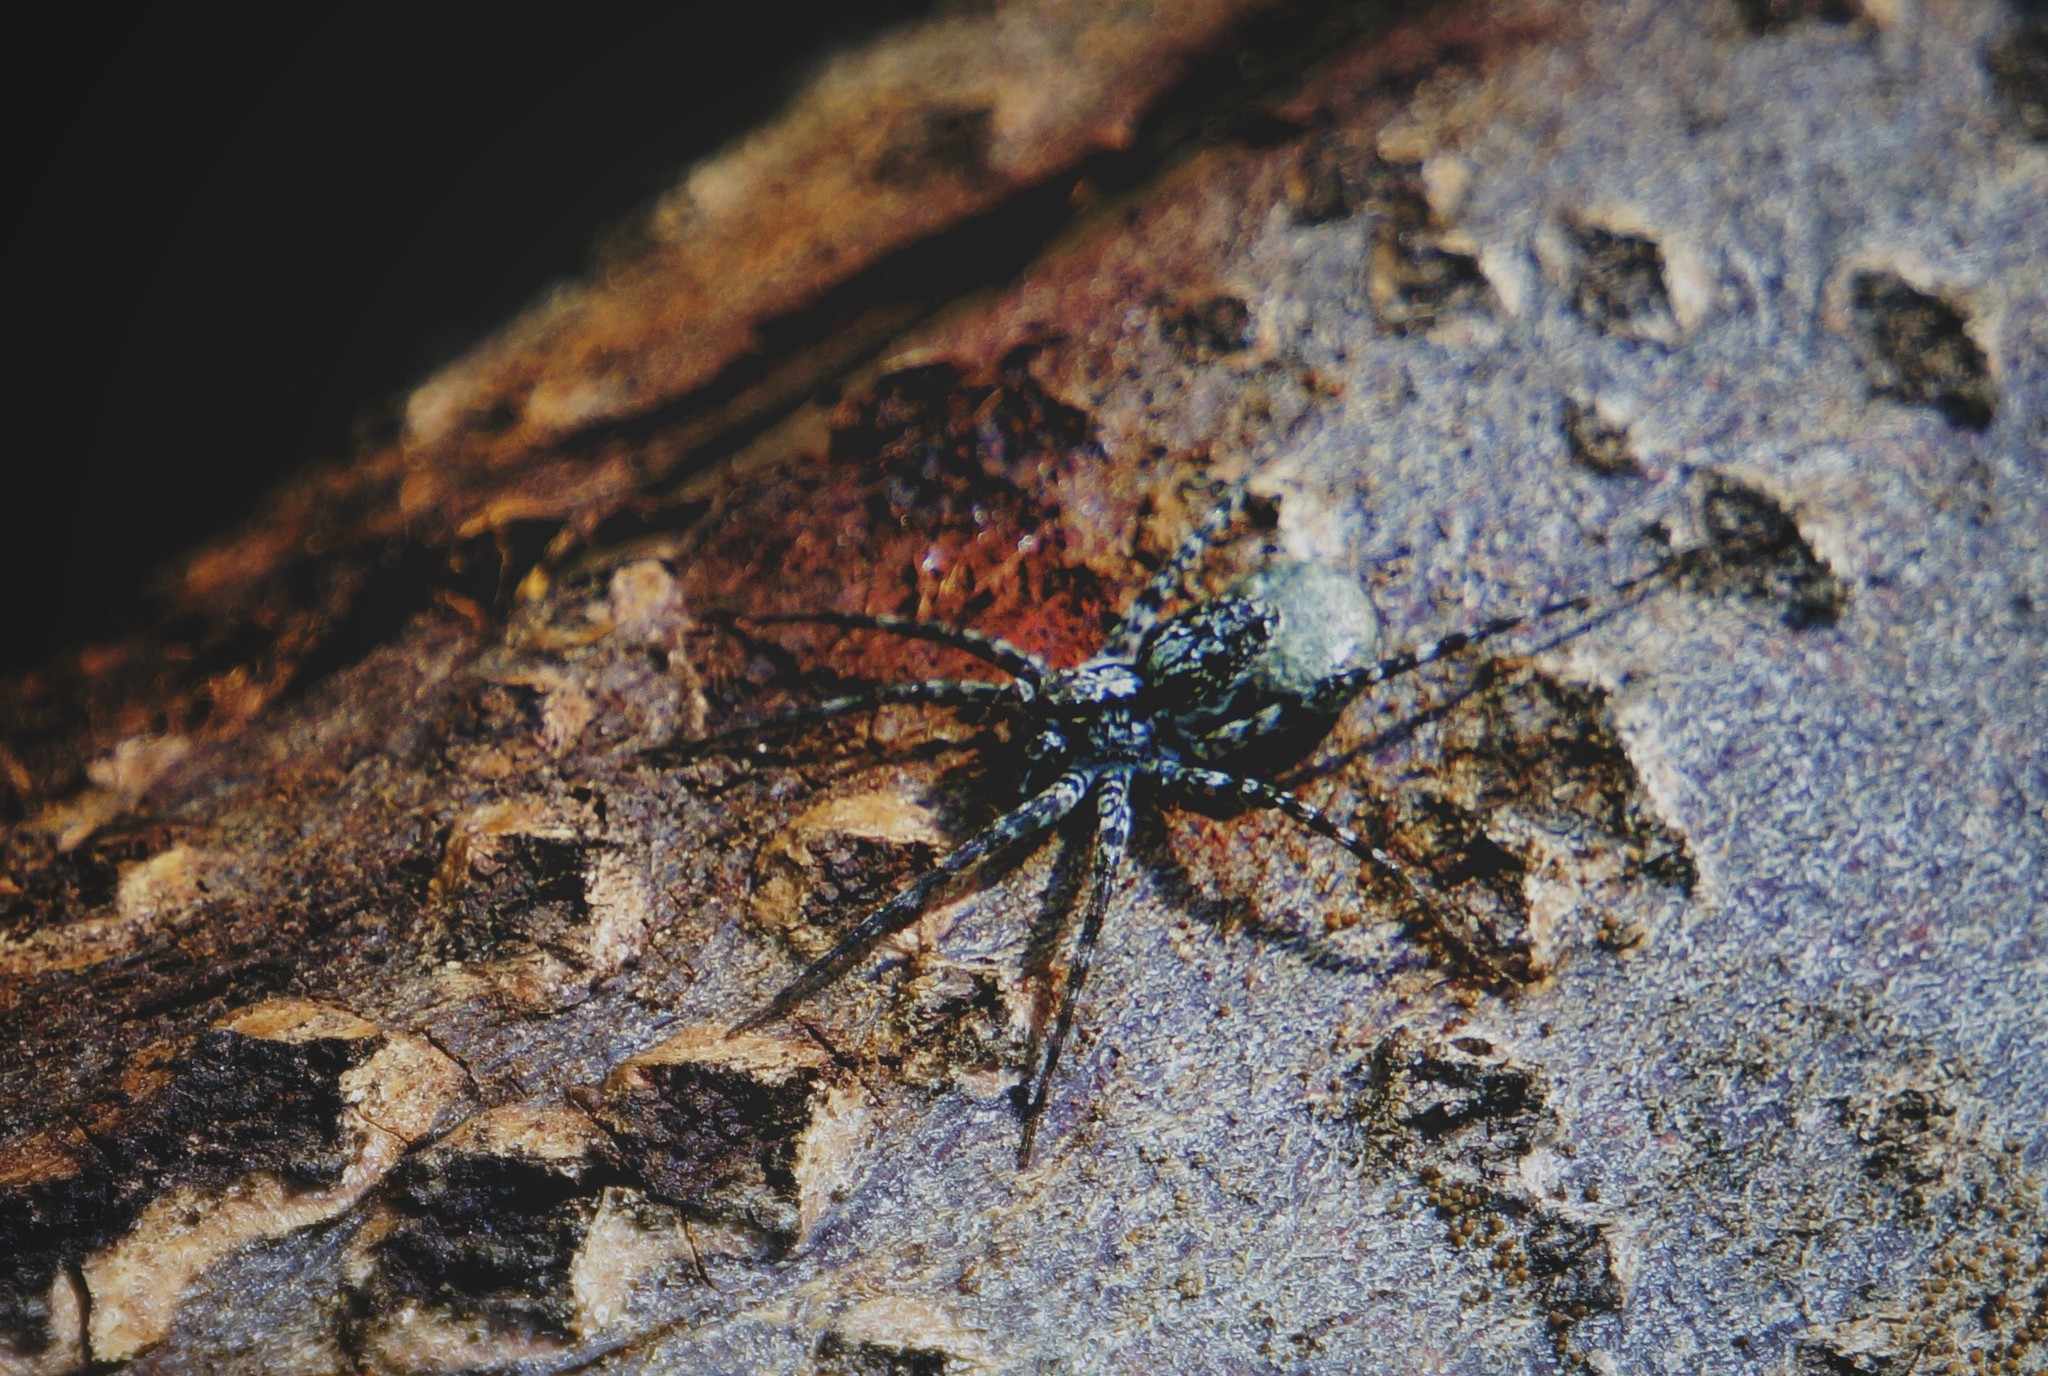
(1166, 701)
(1205, 684)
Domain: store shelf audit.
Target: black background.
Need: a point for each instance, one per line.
(238, 237)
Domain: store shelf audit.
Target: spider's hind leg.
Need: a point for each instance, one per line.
(1035, 815)
(1112, 837)
(1259, 794)
(987, 648)
(932, 692)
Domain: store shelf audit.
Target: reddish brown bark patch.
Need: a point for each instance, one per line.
(934, 502)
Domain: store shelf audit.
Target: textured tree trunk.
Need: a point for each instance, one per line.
(368, 936)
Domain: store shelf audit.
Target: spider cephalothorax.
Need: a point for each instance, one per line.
(1159, 708)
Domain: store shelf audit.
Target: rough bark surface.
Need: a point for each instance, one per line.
(366, 943)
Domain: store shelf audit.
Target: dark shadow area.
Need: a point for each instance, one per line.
(242, 235)
(257, 234)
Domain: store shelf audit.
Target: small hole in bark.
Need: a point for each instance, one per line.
(1755, 551)
(1595, 445)
(1769, 16)
(1205, 329)
(2017, 61)
(841, 1356)
(1916, 349)
(1620, 286)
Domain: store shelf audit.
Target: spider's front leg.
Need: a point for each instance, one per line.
(1333, 694)
(1042, 810)
(983, 646)
(1161, 587)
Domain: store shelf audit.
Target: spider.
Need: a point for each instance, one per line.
(1163, 704)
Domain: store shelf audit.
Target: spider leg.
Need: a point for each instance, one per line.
(1161, 587)
(1035, 815)
(1112, 835)
(1258, 793)
(1331, 695)
(931, 692)
(1233, 735)
(987, 648)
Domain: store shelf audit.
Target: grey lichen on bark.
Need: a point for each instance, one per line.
(364, 983)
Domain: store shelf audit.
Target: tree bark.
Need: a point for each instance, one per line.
(368, 935)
